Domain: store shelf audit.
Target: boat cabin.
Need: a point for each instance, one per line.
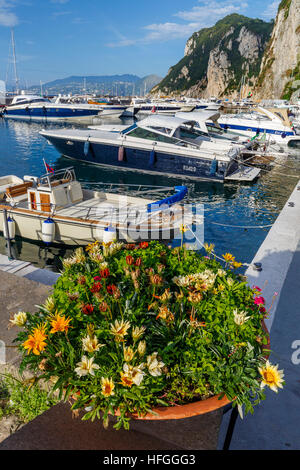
(48, 193)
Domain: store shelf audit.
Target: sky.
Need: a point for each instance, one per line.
(58, 38)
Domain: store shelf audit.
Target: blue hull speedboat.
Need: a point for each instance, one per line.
(157, 144)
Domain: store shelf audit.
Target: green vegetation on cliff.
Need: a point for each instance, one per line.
(221, 37)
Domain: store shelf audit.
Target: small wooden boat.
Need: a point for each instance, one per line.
(54, 208)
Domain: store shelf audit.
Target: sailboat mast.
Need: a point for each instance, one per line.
(14, 60)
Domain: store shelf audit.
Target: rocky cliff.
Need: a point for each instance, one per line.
(280, 69)
(216, 59)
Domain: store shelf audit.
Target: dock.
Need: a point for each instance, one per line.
(275, 422)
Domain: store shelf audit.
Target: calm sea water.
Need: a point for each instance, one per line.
(23, 149)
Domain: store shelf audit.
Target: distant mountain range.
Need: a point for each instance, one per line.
(121, 85)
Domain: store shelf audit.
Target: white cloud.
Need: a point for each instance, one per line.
(211, 11)
(271, 10)
(204, 15)
(7, 17)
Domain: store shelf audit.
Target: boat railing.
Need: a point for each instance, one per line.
(63, 175)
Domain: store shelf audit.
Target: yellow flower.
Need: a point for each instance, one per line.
(165, 314)
(49, 305)
(229, 258)
(92, 246)
(107, 387)
(36, 341)
(141, 348)
(209, 248)
(137, 332)
(271, 376)
(128, 353)
(132, 375)
(60, 323)
(19, 319)
(86, 366)
(126, 380)
(119, 329)
(79, 255)
(183, 228)
(166, 295)
(90, 344)
(195, 297)
(236, 265)
(154, 365)
(221, 287)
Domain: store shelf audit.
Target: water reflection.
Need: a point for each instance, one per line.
(229, 204)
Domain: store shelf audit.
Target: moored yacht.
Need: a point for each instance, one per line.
(37, 108)
(157, 144)
(257, 122)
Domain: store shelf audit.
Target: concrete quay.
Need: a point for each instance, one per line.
(275, 422)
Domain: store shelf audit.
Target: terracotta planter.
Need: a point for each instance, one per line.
(184, 411)
(190, 409)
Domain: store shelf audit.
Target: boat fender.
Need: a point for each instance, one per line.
(44, 109)
(48, 231)
(213, 167)
(109, 234)
(86, 148)
(283, 135)
(152, 158)
(11, 224)
(27, 109)
(121, 154)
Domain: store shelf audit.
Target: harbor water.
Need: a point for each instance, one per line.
(237, 217)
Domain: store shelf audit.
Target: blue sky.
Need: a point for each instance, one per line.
(58, 38)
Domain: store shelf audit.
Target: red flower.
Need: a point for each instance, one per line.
(144, 245)
(262, 309)
(130, 246)
(97, 278)
(129, 260)
(88, 309)
(111, 289)
(104, 272)
(256, 288)
(138, 262)
(96, 287)
(259, 300)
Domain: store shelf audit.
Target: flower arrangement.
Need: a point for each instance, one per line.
(132, 327)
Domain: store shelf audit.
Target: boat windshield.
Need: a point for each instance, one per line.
(154, 136)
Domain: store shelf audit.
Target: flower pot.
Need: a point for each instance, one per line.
(184, 411)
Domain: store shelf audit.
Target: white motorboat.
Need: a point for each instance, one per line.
(260, 121)
(54, 208)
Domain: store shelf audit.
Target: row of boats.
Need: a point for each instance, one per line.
(67, 107)
(201, 145)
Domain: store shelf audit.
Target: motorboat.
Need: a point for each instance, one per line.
(55, 208)
(258, 121)
(157, 144)
(38, 108)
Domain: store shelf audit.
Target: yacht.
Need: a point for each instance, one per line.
(157, 144)
(38, 108)
(259, 121)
